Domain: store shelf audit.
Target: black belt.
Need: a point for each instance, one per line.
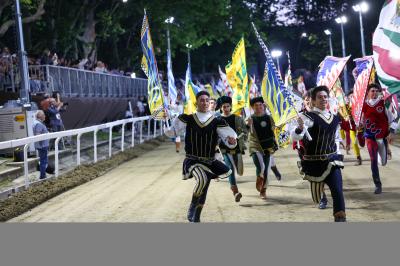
(319, 157)
(205, 159)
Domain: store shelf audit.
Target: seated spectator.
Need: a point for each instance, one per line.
(41, 146)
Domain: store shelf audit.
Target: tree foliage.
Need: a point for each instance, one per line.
(109, 30)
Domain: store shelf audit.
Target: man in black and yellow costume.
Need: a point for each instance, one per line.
(202, 132)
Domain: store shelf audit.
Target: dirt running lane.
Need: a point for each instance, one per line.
(150, 189)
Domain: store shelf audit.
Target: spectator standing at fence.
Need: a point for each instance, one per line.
(100, 67)
(46, 58)
(41, 146)
(140, 105)
(56, 123)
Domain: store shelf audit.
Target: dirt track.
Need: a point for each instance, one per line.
(150, 189)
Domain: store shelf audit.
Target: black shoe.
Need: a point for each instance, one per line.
(340, 219)
(378, 190)
(276, 173)
(322, 205)
(190, 213)
(196, 214)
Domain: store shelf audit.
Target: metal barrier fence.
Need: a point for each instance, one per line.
(25, 142)
(83, 83)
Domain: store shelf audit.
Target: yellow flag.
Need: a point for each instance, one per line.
(236, 73)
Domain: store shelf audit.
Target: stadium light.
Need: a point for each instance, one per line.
(341, 20)
(329, 34)
(276, 54)
(361, 7)
(170, 20)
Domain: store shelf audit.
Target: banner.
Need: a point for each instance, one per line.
(227, 88)
(149, 65)
(172, 93)
(330, 70)
(363, 69)
(236, 73)
(189, 105)
(278, 99)
(386, 46)
(338, 95)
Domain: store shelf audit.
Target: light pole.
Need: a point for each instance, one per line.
(188, 46)
(276, 54)
(329, 34)
(361, 8)
(342, 20)
(168, 21)
(23, 63)
(303, 35)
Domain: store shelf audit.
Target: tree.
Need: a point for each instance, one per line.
(34, 8)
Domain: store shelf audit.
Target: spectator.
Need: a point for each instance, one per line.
(141, 107)
(100, 67)
(56, 123)
(41, 146)
(46, 58)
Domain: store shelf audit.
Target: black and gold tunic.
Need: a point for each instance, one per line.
(262, 137)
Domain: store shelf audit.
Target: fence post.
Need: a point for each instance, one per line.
(110, 142)
(141, 131)
(26, 170)
(148, 128)
(78, 149)
(123, 136)
(133, 134)
(56, 166)
(95, 145)
(155, 129)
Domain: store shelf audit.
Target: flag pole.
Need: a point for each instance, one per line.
(268, 55)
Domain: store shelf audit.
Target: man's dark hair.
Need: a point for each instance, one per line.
(315, 91)
(374, 85)
(202, 93)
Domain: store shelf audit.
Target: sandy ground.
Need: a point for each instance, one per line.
(150, 189)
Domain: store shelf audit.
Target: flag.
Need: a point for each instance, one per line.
(301, 87)
(172, 93)
(339, 97)
(149, 66)
(236, 73)
(228, 90)
(253, 89)
(386, 46)
(364, 68)
(288, 74)
(278, 100)
(330, 70)
(189, 105)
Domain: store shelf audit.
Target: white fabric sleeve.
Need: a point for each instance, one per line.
(389, 115)
(178, 127)
(224, 133)
(338, 139)
(307, 124)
